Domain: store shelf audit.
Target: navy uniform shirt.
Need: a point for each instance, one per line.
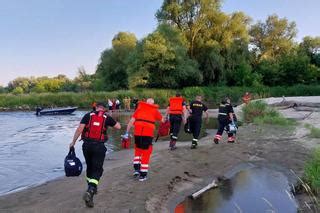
(197, 108)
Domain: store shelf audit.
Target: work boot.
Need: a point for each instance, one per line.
(194, 145)
(172, 145)
(136, 173)
(142, 178)
(216, 141)
(88, 197)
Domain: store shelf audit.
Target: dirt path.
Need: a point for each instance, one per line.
(173, 175)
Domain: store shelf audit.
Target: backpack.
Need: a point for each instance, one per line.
(72, 164)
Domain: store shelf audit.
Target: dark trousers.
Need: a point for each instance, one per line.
(175, 124)
(195, 126)
(94, 154)
(223, 124)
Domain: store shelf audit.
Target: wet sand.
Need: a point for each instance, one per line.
(173, 174)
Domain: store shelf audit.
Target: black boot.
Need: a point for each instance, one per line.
(172, 145)
(88, 196)
(194, 144)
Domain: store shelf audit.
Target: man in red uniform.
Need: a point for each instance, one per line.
(177, 113)
(143, 120)
(93, 131)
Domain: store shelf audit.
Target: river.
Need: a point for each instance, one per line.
(32, 148)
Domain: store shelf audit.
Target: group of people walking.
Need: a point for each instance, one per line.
(94, 125)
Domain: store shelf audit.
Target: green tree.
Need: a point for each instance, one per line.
(164, 60)
(17, 90)
(273, 38)
(112, 68)
(311, 46)
(190, 16)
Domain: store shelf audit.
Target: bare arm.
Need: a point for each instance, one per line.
(117, 126)
(77, 133)
(185, 114)
(167, 112)
(130, 124)
(207, 114)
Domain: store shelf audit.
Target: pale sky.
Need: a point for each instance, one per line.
(51, 37)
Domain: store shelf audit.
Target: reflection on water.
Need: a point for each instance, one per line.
(252, 190)
(32, 148)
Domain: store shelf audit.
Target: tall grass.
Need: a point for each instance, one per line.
(260, 113)
(312, 171)
(212, 95)
(314, 132)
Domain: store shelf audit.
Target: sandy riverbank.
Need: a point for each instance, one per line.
(173, 174)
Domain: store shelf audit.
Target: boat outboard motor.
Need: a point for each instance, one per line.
(38, 109)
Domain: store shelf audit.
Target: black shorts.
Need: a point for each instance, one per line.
(143, 142)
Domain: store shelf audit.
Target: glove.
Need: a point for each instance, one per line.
(126, 135)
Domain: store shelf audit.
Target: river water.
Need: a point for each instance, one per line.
(32, 148)
(253, 189)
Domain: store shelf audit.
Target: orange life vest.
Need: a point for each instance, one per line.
(95, 130)
(145, 118)
(176, 106)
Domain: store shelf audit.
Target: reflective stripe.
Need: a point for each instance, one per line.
(195, 139)
(136, 162)
(143, 170)
(94, 181)
(88, 179)
(221, 113)
(137, 157)
(145, 165)
(218, 137)
(174, 137)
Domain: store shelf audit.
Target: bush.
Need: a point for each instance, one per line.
(312, 171)
(260, 113)
(315, 132)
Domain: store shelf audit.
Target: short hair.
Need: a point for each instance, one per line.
(150, 101)
(101, 104)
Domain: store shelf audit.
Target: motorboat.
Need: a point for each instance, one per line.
(56, 111)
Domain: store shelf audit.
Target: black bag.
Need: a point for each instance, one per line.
(72, 164)
(187, 128)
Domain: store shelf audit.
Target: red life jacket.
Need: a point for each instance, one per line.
(95, 130)
(176, 106)
(145, 116)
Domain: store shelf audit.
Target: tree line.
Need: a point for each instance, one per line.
(196, 43)
(61, 83)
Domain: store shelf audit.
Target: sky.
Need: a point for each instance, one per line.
(51, 37)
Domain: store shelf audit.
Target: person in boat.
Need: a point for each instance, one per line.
(177, 113)
(143, 120)
(93, 130)
(197, 107)
(225, 117)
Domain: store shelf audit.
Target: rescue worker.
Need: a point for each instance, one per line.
(94, 105)
(196, 109)
(93, 131)
(246, 98)
(177, 113)
(143, 120)
(225, 117)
